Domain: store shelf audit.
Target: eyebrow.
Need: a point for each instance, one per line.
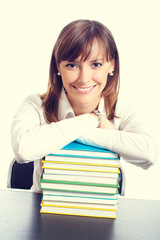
(96, 60)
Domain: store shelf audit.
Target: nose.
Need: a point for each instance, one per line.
(84, 75)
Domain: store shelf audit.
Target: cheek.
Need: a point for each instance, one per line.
(101, 78)
(65, 80)
(68, 78)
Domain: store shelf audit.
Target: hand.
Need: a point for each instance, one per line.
(106, 124)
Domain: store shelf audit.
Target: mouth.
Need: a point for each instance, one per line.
(84, 90)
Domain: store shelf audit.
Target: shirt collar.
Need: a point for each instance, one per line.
(65, 109)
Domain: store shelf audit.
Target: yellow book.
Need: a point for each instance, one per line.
(78, 211)
(95, 206)
(79, 167)
(85, 161)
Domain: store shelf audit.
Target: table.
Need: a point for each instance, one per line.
(20, 219)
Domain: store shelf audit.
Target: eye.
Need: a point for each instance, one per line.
(71, 65)
(97, 64)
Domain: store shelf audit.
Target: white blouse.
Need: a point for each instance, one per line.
(33, 138)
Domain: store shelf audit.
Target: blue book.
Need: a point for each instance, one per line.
(75, 149)
(63, 196)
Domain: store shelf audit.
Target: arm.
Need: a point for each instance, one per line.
(32, 138)
(128, 136)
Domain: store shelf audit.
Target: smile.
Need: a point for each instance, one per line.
(84, 89)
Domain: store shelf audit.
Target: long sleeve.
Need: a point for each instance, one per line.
(32, 138)
(133, 140)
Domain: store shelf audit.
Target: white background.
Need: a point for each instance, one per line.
(28, 30)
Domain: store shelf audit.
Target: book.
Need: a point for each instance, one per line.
(80, 173)
(79, 197)
(79, 205)
(48, 164)
(78, 211)
(80, 179)
(83, 150)
(80, 194)
(46, 184)
(90, 183)
(82, 160)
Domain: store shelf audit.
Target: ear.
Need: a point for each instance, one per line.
(112, 66)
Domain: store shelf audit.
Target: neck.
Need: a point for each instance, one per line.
(84, 108)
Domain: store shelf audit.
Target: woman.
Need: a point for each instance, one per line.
(83, 77)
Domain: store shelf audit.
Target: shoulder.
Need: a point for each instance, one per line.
(30, 105)
(33, 101)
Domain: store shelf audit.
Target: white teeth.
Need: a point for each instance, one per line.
(84, 89)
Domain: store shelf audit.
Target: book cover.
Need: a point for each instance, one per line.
(79, 205)
(80, 194)
(47, 164)
(85, 161)
(80, 179)
(78, 212)
(80, 173)
(82, 150)
(89, 183)
(80, 199)
(78, 188)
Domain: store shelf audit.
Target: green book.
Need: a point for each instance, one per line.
(68, 186)
(79, 183)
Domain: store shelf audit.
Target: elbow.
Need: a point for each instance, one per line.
(20, 156)
(152, 155)
(22, 153)
(147, 164)
(144, 163)
(145, 158)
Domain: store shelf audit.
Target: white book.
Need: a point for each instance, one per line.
(80, 173)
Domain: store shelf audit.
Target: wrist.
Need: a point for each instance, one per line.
(97, 114)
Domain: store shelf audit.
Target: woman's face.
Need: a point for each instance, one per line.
(84, 81)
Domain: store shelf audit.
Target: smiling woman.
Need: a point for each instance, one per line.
(84, 81)
(81, 103)
(83, 49)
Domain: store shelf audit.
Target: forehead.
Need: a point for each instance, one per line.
(93, 51)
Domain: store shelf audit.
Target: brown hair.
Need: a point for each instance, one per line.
(76, 40)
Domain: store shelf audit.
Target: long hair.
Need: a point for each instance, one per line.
(76, 40)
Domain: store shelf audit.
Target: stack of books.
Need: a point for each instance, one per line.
(80, 180)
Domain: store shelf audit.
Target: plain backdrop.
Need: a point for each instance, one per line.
(28, 31)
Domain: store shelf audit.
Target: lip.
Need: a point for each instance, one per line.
(84, 90)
